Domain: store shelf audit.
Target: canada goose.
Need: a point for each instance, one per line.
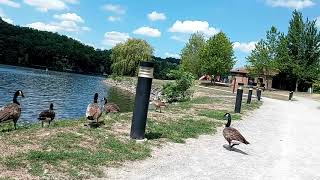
(231, 134)
(158, 104)
(110, 107)
(47, 115)
(93, 109)
(12, 111)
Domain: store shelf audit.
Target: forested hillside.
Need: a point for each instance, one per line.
(32, 48)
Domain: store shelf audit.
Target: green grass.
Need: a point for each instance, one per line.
(178, 131)
(217, 114)
(109, 151)
(206, 100)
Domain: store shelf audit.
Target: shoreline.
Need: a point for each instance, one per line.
(128, 84)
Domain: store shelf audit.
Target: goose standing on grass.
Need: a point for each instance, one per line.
(47, 115)
(12, 111)
(158, 104)
(232, 135)
(110, 107)
(93, 110)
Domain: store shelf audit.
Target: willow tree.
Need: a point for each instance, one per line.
(190, 54)
(217, 57)
(126, 56)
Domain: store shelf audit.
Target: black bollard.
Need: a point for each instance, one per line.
(139, 118)
(258, 94)
(237, 108)
(290, 95)
(249, 95)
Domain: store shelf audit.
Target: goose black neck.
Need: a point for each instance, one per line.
(229, 122)
(15, 100)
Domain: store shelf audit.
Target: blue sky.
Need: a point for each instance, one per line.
(165, 24)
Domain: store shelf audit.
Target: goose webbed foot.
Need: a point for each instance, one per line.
(234, 144)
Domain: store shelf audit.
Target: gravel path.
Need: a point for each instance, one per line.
(284, 139)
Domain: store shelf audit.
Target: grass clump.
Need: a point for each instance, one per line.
(178, 131)
(217, 114)
(206, 100)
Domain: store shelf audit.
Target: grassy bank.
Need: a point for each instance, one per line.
(69, 150)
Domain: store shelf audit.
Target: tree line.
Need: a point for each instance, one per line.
(295, 56)
(28, 47)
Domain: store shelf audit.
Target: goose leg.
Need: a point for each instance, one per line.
(160, 109)
(49, 123)
(15, 125)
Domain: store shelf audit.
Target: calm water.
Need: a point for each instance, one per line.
(70, 93)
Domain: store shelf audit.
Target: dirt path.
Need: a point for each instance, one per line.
(284, 139)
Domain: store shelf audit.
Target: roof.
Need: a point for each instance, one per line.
(241, 70)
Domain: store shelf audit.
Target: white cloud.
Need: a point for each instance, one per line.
(4, 18)
(113, 18)
(193, 27)
(293, 4)
(318, 22)
(114, 8)
(155, 16)
(179, 38)
(72, 1)
(167, 54)
(46, 5)
(66, 26)
(8, 20)
(147, 31)
(245, 47)
(112, 38)
(69, 17)
(10, 3)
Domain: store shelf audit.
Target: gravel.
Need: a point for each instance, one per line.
(284, 139)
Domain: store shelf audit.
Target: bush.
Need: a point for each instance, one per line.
(116, 78)
(180, 89)
(316, 86)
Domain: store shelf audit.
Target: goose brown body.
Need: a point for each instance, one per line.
(47, 115)
(11, 111)
(232, 134)
(110, 107)
(93, 110)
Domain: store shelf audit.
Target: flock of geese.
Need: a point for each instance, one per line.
(12, 112)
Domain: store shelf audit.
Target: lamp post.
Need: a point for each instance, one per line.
(258, 94)
(290, 95)
(139, 118)
(249, 95)
(237, 108)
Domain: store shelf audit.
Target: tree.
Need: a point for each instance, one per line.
(262, 60)
(127, 56)
(217, 57)
(303, 48)
(190, 54)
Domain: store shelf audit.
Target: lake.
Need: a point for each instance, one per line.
(70, 93)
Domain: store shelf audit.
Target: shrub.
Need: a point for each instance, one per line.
(316, 86)
(180, 89)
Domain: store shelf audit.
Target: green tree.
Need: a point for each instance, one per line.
(190, 54)
(217, 57)
(263, 59)
(303, 48)
(127, 56)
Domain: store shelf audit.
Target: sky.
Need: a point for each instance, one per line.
(165, 24)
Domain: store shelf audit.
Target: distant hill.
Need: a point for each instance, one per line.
(28, 47)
